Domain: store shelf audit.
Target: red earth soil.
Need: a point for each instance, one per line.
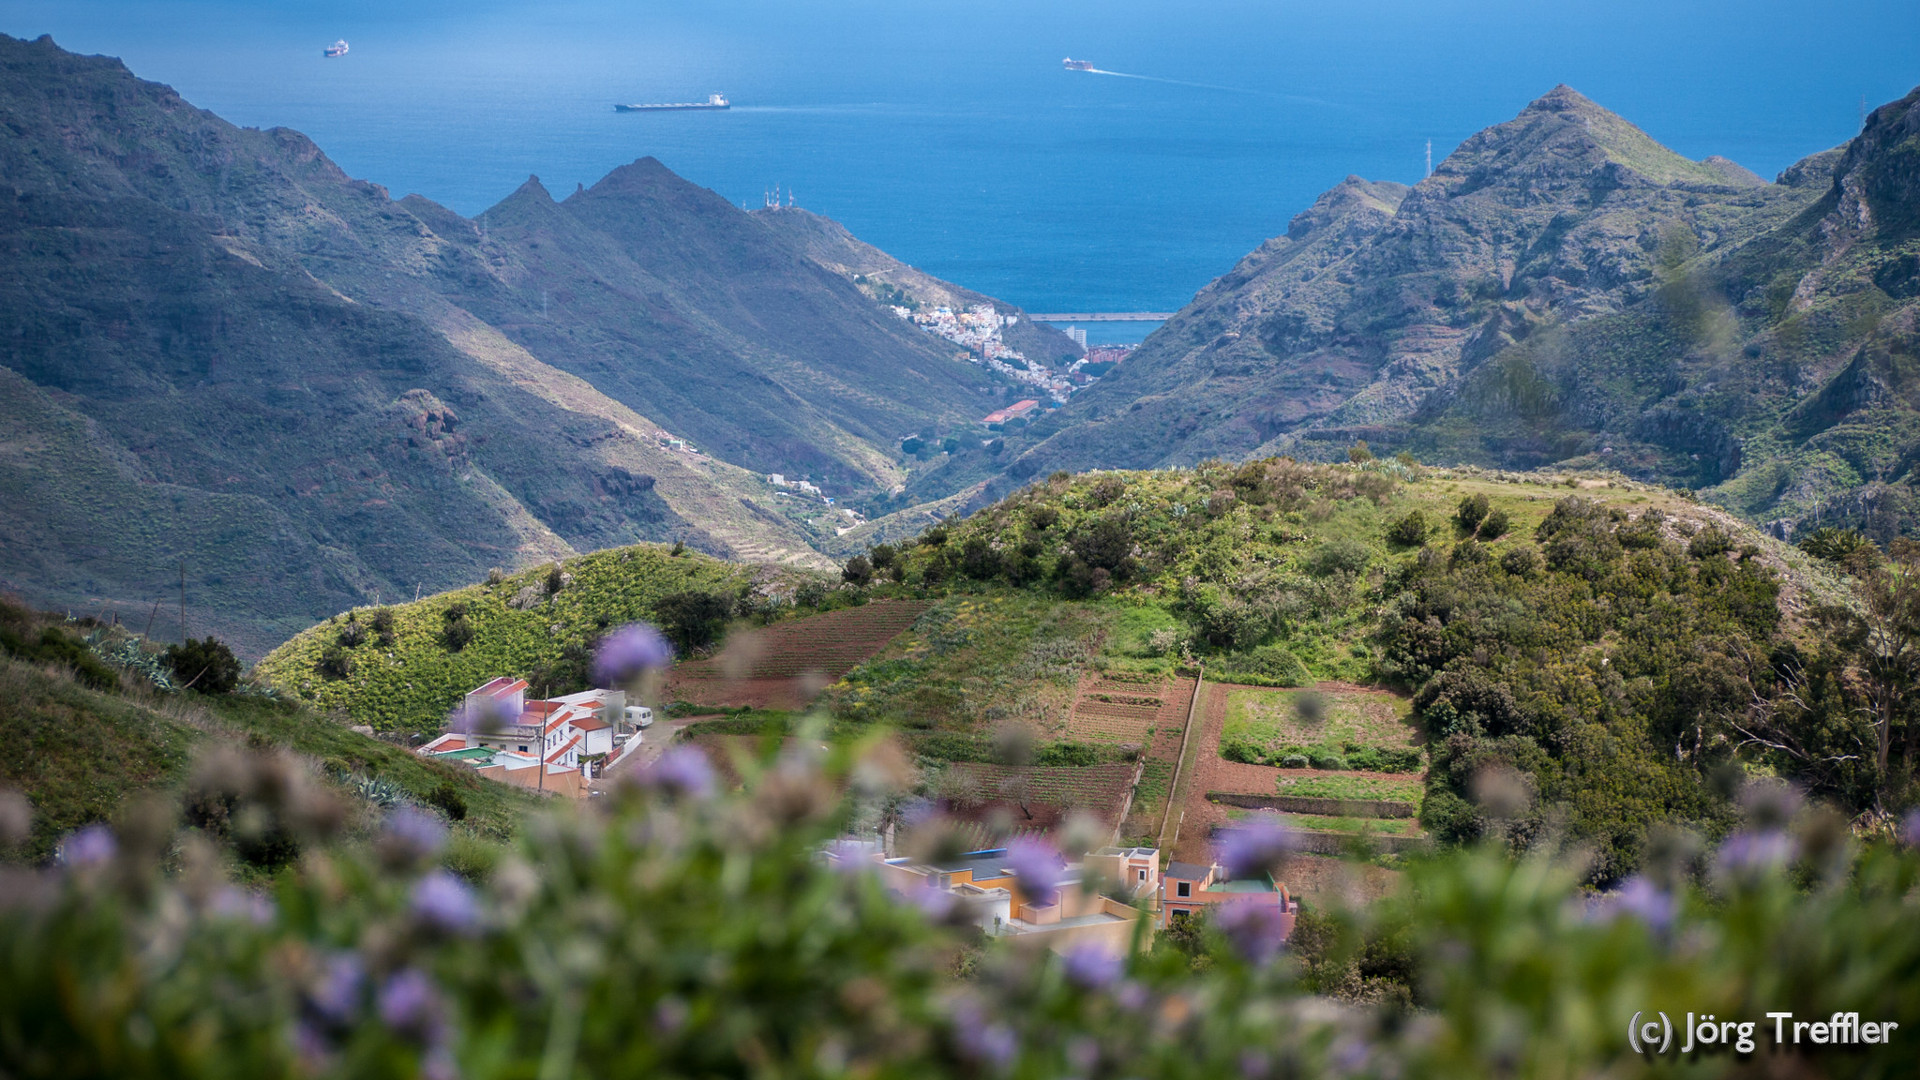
(786, 665)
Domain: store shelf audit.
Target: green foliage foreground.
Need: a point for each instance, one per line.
(674, 931)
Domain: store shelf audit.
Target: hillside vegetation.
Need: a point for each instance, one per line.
(403, 667)
(89, 739)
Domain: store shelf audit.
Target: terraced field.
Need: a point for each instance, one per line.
(785, 665)
(1117, 708)
(1037, 796)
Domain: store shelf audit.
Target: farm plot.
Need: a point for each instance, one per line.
(1116, 710)
(785, 664)
(1035, 796)
(1328, 727)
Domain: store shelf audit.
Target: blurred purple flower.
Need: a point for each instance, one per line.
(1091, 967)
(851, 857)
(1750, 855)
(482, 716)
(1132, 996)
(630, 652)
(1036, 867)
(1349, 1055)
(937, 904)
(1083, 1053)
(1254, 1064)
(1256, 931)
(1257, 847)
(1910, 831)
(234, 903)
(1769, 804)
(682, 771)
(988, 1042)
(441, 900)
(314, 1048)
(413, 833)
(1640, 899)
(669, 1016)
(90, 846)
(336, 997)
(410, 1005)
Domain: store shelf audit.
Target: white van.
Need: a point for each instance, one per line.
(639, 716)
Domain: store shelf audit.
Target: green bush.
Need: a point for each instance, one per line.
(54, 646)
(449, 800)
(1408, 530)
(204, 664)
(1472, 511)
(1326, 759)
(1495, 524)
(1268, 665)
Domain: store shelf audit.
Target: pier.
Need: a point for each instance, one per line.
(1103, 316)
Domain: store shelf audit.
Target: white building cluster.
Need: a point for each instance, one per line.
(978, 329)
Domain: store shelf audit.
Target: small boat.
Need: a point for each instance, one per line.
(338, 48)
(714, 101)
(1078, 65)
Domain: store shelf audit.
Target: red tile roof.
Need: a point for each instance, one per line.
(592, 723)
(1018, 408)
(501, 687)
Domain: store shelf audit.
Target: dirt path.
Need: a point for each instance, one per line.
(654, 742)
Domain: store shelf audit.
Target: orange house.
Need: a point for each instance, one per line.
(1189, 888)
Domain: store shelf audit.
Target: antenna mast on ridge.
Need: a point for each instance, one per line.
(1429, 157)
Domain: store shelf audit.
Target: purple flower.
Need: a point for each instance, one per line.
(482, 716)
(1256, 931)
(1254, 1064)
(336, 997)
(1641, 899)
(628, 653)
(669, 1016)
(1257, 848)
(990, 1043)
(414, 833)
(1132, 996)
(1349, 1055)
(682, 771)
(1083, 1053)
(1910, 832)
(234, 903)
(937, 904)
(1036, 868)
(1751, 855)
(410, 1005)
(1091, 967)
(446, 903)
(90, 846)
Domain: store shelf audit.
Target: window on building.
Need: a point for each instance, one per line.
(523, 749)
(1186, 888)
(1143, 875)
(1179, 914)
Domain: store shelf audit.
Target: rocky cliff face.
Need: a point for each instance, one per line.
(1561, 289)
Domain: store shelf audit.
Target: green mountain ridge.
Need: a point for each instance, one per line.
(1561, 291)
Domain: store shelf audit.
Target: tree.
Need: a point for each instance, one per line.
(1473, 510)
(1408, 531)
(692, 619)
(858, 572)
(1358, 453)
(206, 665)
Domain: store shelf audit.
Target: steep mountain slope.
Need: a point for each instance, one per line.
(1380, 297)
(224, 352)
(886, 278)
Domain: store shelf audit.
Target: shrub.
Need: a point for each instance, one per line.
(1472, 511)
(1326, 759)
(496, 577)
(1409, 530)
(858, 572)
(1358, 453)
(1834, 545)
(1310, 707)
(1268, 665)
(382, 623)
(1521, 562)
(449, 800)
(1342, 556)
(1296, 761)
(881, 556)
(693, 619)
(351, 634)
(335, 662)
(1709, 541)
(1495, 524)
(811, 593)
(54, 646)
(206, 665)
(556, 579)
(1042, 517)
(456, 633)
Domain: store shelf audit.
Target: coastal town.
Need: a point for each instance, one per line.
(978, 329)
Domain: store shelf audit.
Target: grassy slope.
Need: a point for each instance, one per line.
(81, 754)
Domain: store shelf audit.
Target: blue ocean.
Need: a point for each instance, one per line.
(950, 134)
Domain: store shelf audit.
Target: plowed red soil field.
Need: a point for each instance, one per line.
(784, 666)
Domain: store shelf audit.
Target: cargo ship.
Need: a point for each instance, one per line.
(714, 101)
(1078, 65)
(338, 48)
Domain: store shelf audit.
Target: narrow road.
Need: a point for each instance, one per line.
(654, 742)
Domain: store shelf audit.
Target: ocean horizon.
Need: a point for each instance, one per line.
(961, 145)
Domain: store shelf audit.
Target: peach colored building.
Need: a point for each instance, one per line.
(1187, 889)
